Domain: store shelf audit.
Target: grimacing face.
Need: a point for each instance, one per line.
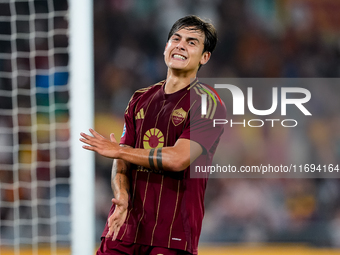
(184, 50)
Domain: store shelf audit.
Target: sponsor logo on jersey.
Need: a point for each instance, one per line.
(178, 116)
(140, 114)
(153, 138)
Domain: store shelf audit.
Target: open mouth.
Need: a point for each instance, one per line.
(179, 57)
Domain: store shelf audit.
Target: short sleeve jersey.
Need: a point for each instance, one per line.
(166, 208)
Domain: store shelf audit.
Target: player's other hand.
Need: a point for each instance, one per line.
(117, 218)
(101, 145)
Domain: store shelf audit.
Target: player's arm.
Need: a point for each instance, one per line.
(173, 158)
(120, 187)
(119, 179)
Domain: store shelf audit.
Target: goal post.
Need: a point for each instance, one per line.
(46, 100)
(82, 115)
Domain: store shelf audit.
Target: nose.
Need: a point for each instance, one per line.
(180, 45)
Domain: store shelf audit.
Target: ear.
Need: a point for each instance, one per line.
(205, 57)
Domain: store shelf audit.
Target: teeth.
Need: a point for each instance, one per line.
(179, 56)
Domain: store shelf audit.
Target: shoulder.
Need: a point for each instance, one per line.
(140, 92)
(198, 89)
(156, 86)
(150, 88)
(205, 96)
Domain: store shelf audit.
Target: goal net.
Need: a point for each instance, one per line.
(35, 201)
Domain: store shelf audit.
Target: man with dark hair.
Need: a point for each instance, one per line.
(194, 23)
(158, 207)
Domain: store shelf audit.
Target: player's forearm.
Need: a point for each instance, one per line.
(173, 158)
(120, 181)
(166, 158)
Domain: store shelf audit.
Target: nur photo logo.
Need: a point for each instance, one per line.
(238, 104)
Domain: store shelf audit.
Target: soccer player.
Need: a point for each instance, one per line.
(157, 206)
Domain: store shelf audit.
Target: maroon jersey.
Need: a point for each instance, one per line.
(166, 208)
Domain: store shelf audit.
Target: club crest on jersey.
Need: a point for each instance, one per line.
(178, 116)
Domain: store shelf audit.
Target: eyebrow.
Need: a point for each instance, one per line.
(189, 38)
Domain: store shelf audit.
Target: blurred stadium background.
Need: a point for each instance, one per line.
(257, 38)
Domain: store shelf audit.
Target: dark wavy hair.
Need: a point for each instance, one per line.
(193, 22)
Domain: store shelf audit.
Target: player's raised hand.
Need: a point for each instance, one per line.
(101, 145)
(117, 218)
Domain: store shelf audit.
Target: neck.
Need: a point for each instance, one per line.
(176, 82)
